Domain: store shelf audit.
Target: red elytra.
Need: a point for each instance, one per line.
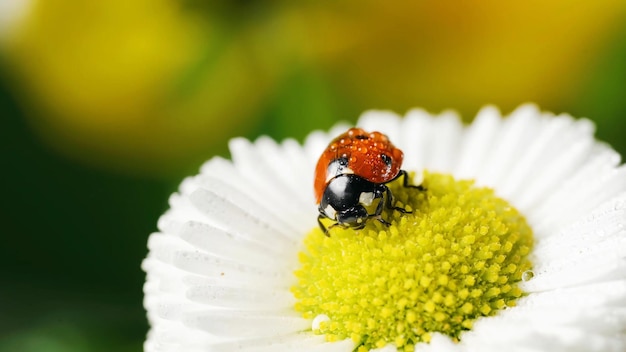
(369, 155)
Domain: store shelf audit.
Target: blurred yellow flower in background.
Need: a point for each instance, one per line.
(463, 54)
(148, 85)
(132, 84)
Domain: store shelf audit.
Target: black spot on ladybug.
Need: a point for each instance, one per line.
(387, 159)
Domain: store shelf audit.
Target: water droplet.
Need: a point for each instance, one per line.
(527, 275)
(315, 325)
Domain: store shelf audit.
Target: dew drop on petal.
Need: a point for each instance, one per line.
(315, 325)
(528, 275)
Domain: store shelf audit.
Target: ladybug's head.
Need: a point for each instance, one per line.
(354, 217)
(346, 197)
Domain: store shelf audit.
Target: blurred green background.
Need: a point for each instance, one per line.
(106, 106)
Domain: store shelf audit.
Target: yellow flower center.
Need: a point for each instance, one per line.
(457, 257)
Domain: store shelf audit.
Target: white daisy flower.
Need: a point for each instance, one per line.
(515, 243)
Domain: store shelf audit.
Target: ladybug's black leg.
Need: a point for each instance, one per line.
(405, 181)
(389, 203)
(324, 229)
(381, 192)
(378, 214)
(333, 225)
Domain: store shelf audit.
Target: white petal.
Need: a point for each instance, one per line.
(477, 142)
(510, 143)
(286, 343)
(602, 161)
(414, 139)
(441, 152)
(386, 122)
(239, 324)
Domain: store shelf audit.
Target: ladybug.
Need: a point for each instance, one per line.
(351, 173)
